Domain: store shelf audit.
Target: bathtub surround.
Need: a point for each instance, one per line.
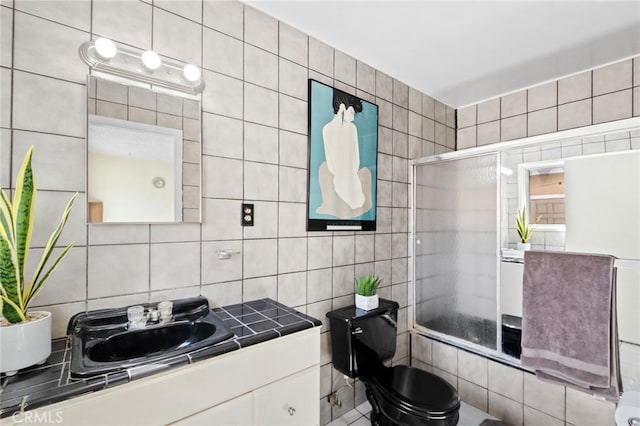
(254, 143)
(510, 394)
(507, 392)
(596, 96)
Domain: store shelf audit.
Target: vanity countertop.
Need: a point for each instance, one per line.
(251, 322)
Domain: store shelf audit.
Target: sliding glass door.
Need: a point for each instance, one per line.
(455, 242)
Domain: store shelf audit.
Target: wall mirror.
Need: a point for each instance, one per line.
(588, 181)
(143, 155)
(541, 193)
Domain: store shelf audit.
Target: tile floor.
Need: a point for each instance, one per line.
(359, 416)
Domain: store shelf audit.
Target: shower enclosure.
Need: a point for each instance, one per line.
(455, 244)
(467, 269)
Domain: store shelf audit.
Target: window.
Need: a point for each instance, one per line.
(541, 192)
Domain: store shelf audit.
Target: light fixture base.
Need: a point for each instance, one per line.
(128, 64)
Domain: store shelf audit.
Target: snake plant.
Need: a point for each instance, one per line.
(367, 286)
(16, 227)
(522, 227)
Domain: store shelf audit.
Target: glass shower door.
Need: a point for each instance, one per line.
(455, 243)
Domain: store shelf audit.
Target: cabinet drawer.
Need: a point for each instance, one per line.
(237, 412)
(294, 400)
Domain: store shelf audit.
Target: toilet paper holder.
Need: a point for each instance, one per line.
(226, 254)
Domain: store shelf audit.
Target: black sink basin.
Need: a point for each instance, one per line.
(102, 342)
(150, 341)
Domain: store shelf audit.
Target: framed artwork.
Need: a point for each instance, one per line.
(343, 157)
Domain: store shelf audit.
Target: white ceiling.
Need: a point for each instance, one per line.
(463, 52)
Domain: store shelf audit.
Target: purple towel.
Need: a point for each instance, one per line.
(569, 325)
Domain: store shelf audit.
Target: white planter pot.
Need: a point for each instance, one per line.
(366, 302)
(25, 344)
(524, 246)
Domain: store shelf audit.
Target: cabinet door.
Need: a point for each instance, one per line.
(237, 412)
(294, 400)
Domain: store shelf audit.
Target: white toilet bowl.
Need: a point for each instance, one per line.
(628, 410)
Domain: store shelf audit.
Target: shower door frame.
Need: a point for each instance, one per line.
(499, 149)
(436, 335)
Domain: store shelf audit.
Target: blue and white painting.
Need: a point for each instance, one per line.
(343, 141)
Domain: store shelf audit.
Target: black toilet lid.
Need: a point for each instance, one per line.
(420, 389)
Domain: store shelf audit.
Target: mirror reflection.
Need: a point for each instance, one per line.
(546, 195)
(593, 184)
(541, 192)
(143, 155)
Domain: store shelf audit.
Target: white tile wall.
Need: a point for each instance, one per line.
(613, 78)
(222, 53)
(514, 396)
(254, 148)
(574, 88)
(126, 22)
(595, 96)
(73, 13)
(543, 96)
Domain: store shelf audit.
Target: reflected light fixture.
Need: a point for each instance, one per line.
(103, 55)
(506, 171)
(158, 182)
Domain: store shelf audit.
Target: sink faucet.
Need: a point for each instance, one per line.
(153, 316)
(139, 319)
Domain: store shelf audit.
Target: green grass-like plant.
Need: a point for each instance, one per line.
(16, 227)
(367, 286)
(522, 227)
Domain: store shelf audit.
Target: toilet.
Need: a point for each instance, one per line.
(400, 395)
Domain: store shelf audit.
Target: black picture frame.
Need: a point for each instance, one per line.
(342, 160)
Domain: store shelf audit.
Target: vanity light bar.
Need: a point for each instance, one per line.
(103, 55)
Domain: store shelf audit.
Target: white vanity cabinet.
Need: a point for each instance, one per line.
(237, 412)
(276, 382)
(285, 402)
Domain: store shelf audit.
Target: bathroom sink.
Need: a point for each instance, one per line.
(150, 341)
(102, 341)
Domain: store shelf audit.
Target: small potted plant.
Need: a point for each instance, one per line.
(25, 336)
(524, 229)
(366, 288)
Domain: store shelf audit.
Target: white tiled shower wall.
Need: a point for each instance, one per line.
(507, 393)
(604, 94)
(557, 150)
(254, 145)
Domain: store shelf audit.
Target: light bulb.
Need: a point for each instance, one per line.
(151, 60)
(191, 73)
(105, 48)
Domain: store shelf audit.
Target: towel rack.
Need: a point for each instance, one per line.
(627, 264)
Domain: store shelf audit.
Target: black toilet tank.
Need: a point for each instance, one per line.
(375, 330)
